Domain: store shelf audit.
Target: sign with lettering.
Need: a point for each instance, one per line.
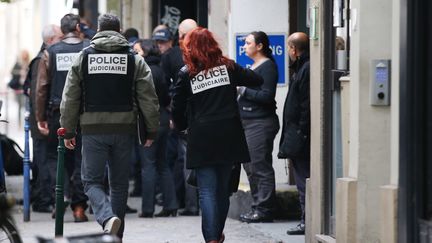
(278, 47)
(215, 77)
(64, 61)
(107, 63)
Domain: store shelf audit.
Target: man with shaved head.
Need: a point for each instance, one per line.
(295, 138)
(172, 62)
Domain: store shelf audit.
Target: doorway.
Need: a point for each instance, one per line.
(415, 161)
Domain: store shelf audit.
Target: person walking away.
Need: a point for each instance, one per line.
(104, 89)
(41, 191)
(52, 71)
(258, 113)
(295, 137)
(205, 107)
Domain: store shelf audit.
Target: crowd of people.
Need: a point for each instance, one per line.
(204, 116)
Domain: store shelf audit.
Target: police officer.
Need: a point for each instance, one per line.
(104, 89)
(52, 71)
(43, 197)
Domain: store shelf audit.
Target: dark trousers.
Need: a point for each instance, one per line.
(191, 193)
(42, 189)
(187, 195)
(301, 166)
(260, 134)
(72, 163)
(154, 168)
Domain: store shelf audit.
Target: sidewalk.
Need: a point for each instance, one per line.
(164, 230)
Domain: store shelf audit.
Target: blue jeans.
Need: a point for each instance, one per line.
(154, 163)
(214, 195)
(97, 151)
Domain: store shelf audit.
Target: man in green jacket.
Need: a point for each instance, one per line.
(104, 89)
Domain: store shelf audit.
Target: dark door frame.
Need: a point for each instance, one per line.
(415, 158)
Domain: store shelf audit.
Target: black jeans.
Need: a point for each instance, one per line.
(42, 190)
(301, 173)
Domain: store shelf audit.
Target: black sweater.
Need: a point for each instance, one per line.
(259, 102)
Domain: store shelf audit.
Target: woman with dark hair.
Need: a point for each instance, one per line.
(204, 104)
(258, 113)
(153, 163)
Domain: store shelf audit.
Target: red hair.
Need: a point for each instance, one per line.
(201, 51)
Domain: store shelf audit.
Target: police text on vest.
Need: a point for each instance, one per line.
(107, 63)
(65, 60)
(215, 77)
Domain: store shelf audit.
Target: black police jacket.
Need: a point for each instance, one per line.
(206, 106)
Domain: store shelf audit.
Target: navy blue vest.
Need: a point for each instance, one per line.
(61, 57)
(108, 80)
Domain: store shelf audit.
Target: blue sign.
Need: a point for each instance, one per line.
(277, 44)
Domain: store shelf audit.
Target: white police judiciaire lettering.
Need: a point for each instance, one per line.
(64, 60)
(215, 77)
(107, 63)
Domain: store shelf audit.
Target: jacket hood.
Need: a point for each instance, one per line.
(109, 41)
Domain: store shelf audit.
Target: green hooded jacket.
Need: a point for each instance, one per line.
(109, 122)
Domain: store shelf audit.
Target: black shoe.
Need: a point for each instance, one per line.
(166, 213)
(298, 230)
(189, 213)
(43, 209)
(256, 217)
(145, 215)
(130, 210)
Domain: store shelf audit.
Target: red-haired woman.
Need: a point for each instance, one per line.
(205, 104)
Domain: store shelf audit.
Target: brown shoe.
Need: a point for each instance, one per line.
(79, 214)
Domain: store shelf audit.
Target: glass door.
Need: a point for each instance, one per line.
(336, 65)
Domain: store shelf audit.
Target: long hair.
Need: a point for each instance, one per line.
(202, 52)
(262, 38)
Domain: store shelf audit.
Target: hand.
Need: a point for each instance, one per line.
(171, 124)
(70, 143)
(43, 127)
(148, 142)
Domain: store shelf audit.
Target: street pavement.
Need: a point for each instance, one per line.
(178, 229)
(154, 230)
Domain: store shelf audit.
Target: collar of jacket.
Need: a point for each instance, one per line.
(304, 57)
(71, 38)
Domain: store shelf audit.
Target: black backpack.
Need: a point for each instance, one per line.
(12, 156)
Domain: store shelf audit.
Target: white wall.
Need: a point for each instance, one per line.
(370, 126)
(269, 16)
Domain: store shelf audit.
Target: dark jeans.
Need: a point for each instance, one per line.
(154, 168)
(176, 155)
(301, 173)
(72, 164)
(213, 186)
(260, 134)
(97, 151)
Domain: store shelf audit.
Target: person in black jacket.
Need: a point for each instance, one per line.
(153, 158)
(172, 62)
(295, 138)
(204, 104)
(258, 112)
